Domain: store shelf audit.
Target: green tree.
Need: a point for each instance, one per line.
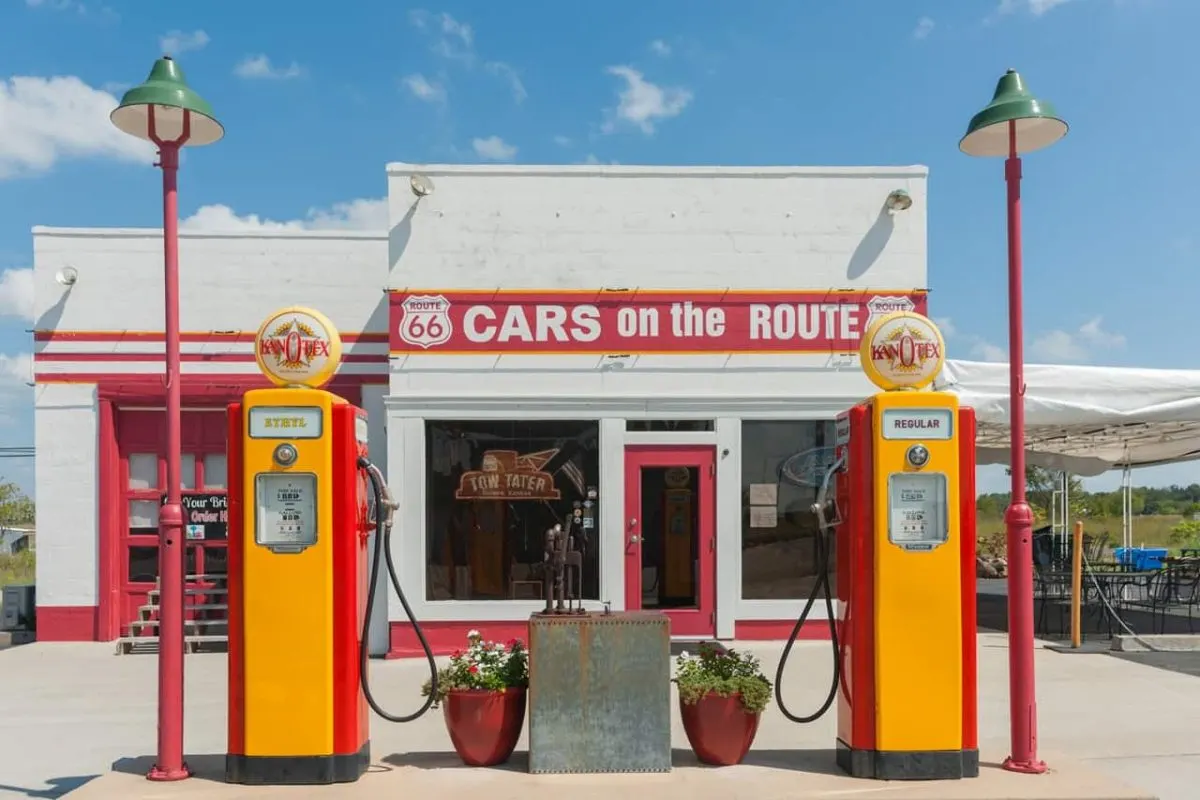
(16, 509)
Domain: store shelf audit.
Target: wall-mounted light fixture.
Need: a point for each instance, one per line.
(899, 200)
(421, 186)
(67, 276)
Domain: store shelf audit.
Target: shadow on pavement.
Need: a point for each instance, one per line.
(823, 762)
(55, 787)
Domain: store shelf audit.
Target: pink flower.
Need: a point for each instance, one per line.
(473, 669)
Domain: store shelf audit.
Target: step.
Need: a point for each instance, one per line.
(187, 623)
(151, 607)
(191, 591)
(149, 644)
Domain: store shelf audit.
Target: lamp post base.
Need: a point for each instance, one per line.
(1024, 767)
(160, 775)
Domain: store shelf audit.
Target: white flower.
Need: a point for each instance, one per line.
(684, 656)
(473, 634)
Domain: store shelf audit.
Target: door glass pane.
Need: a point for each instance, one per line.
(187, 471)
(214, 471)
(143, 471)
(143, 564)
(670, 536)
(216, 561)
(143, 517)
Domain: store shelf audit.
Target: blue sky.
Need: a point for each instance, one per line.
(317, 98)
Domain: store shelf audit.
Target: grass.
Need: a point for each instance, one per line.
(18, 568)
(1149, 530)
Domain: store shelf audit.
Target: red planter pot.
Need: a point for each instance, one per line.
(484, 726)
(719, 729)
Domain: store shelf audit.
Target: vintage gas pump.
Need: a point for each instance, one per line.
(900, 500)
(302, 494)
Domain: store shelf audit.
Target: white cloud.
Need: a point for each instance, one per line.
(643, 103)
(45, 120)
(493, 148)
(660, 48)
(16, 294)
(1035, 7)
(924, 27)
(175, 42)
(362, 215)
(562, 141)
(593, 159)
(454, 40)
(1088, 341)
(424, 89)
(260, 67)
(15, 370)
(509, 75)
(975, 346)
(986, 351)
(1048, 347)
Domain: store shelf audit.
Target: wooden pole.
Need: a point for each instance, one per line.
(1076, 583)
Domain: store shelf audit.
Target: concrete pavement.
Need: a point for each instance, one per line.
(1106, 725)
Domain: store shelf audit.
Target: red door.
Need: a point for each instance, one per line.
(670, 524)
(140, 445)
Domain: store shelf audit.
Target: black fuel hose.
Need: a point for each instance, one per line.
(820, 587)
(383, 552)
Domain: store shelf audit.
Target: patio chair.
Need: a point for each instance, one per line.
(1050, 588)
(1164, 592)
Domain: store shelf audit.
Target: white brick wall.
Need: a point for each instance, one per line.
(228, 282)
(66, 437)
(616, 226)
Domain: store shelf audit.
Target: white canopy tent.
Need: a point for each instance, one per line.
(1084, 420)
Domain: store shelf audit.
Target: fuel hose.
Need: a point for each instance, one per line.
(821, 587)
(383, 553)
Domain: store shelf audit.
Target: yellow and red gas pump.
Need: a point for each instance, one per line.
(303, 500)
(902, 512)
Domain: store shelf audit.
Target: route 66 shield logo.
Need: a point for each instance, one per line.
(425, 321)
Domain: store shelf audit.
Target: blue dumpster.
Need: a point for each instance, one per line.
(1142, 559)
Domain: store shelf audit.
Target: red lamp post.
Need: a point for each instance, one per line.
(163, 110)
(1016, 122)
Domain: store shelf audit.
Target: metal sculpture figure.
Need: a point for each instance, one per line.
(564, 571)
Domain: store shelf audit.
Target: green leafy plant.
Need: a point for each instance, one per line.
(724, 673)
(483, 666)
(1186, 533)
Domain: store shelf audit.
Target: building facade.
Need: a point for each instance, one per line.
(651, 357)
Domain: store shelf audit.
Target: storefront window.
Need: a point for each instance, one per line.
(783, 464)
(493, 489)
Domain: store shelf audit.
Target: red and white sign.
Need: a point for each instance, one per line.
(619, 322)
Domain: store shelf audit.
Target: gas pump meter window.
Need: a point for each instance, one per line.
(285, 519)
(917, 518)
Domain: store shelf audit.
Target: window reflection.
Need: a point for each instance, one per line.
(783, 464)
(493, 489)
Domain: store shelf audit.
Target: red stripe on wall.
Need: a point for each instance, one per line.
(186, 336)
(66, 623)
(216, 389)
(350, 358)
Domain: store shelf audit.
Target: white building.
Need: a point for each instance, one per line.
(658, 352)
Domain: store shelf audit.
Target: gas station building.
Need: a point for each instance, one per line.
(656, 355)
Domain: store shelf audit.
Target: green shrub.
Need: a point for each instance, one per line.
(724, 673)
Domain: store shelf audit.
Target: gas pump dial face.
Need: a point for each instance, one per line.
(917, 510)
(285, 519)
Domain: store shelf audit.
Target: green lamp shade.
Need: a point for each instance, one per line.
(1037, 124)
(167, 93)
